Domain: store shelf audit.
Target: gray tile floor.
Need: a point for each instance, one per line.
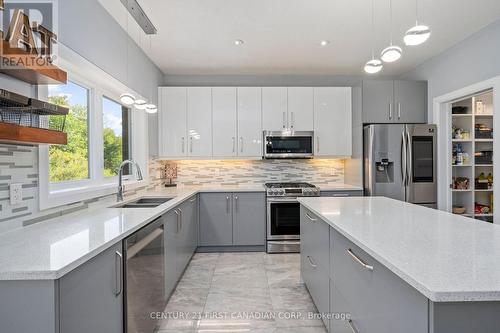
(241, 292)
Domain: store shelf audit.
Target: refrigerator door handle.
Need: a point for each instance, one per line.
(409, 162)
(403, 160)
(371, 160)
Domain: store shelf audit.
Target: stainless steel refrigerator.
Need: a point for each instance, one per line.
(400, 162)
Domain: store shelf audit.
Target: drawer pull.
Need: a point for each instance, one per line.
(351, 325)
(310, 218)
(359, 261)
(313, 265)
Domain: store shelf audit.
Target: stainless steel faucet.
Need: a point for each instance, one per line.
(119, 195)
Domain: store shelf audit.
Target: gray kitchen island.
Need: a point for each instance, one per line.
(373, 264)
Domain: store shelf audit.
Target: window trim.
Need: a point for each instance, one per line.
(100, 84)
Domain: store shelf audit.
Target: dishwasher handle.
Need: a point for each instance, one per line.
(133, 250)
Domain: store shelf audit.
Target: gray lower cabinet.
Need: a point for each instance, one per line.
(249, 215)
(379, 301)
(342, 193)
(315, 260)
(181, 239)
(399, 101)
(172, 251)
(232, 219)
(91, 296)
(216, 219)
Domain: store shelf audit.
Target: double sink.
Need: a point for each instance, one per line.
(145, 202)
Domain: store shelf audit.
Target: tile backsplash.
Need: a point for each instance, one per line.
(241, 172)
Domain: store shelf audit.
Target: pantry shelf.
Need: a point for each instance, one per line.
(471, 143)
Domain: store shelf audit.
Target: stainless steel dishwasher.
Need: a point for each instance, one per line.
(144, 280)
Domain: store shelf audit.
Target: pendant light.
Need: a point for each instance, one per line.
(127, 98)
(419, 33)
(392, 52)
(140, 104)
(373, 66)
(151, 108)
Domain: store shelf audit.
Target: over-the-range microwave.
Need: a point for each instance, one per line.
(288, 144)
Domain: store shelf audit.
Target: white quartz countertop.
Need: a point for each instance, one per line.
(446, 257)
(49, 249)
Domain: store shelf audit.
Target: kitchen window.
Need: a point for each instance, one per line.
(116, 134)
(71, 162)
(99, 138)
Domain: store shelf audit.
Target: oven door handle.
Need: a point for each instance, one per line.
(282, 200)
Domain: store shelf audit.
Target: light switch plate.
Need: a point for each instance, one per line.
(16, 194)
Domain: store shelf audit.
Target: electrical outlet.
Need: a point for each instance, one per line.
(16, 194)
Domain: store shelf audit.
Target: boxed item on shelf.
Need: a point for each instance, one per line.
(459, 110)
(483, 132)
(484, 157)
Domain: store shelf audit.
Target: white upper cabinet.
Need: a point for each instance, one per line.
(301, 108)
(199, 120)
(224, 122)
(333, 121)
(172, 120)
(274, 108)
(227, 122)
(250, 122)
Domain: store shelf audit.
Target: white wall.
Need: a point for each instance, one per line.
(475, 59)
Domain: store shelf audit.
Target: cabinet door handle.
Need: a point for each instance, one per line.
(311, 262)
(359, 261)
(180, 219)
(192, 200)
(399, 110)
(317, 143)
(177, 220)
(351, 325)
(390, 110)
(284, 119)
(183, 141)
(118, 273)
(191, 144)
(234, 145)
(310, 218)
(236, 203)
(241, 144)
(292, 122)
(227, 204)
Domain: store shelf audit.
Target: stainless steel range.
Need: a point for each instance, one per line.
(283, 215)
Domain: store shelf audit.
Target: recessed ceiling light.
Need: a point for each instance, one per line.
(324, 42)
(238, 42)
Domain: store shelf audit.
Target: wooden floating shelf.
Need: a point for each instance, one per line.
(48, 74)
(20, 134)
(462, 115)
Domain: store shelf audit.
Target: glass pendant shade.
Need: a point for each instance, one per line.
(373, 66)
(127, 99)
(140, 104)
(151, 108)
(391, 53)
(417, 35)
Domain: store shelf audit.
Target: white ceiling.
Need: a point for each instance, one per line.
(282, 36)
